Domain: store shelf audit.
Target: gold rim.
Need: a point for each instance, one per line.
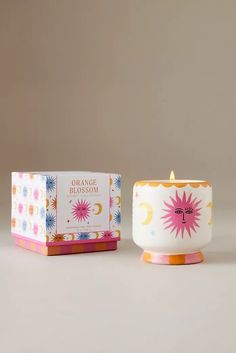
(169, 184)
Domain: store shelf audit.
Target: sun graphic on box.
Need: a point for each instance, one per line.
(81, 210)
(58, 237)
(182, 214)
(54, 203)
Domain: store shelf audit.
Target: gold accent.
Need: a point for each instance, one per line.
(169, 184)
(149, 214)
(117, 232)
(210, 205)
(99, 210)
(117, 200)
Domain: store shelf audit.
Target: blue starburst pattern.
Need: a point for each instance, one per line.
(50, 183)
(50, 221)
(25, 191)
(83, 236)
(42, 212)
(117, 217)
(24, 225)
(118, 182)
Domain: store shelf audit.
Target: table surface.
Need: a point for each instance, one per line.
(112, 302)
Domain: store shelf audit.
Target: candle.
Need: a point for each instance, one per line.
(172, 219)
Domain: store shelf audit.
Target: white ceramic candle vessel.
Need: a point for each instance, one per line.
(172, 220)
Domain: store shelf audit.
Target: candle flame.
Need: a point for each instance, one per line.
(172, 176)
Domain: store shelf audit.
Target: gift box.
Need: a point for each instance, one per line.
(66, 212)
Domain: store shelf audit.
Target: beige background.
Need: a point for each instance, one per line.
(138, 87)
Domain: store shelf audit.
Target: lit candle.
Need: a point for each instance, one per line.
(172, 219)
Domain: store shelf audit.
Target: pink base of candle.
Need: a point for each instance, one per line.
(67, 248)
(180, 259)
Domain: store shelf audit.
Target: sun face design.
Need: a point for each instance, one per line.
(36, 194)
(83, 236)
(50, 221)
(107, 234)
(58, 237)
(81, 210)
(182, 214)
(31, 210)
(24, 225)
(117, 182)
(111, 202)
(20, 207)
(117, 217)
(50, 183)
(54, 203)
(35, 229)
(25, 191)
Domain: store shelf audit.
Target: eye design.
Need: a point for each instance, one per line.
(179, 211)
(189, 210)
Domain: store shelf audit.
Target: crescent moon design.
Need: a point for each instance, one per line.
(94, 235)
(118, 200)
(36, 210)
(117, 233)
(99, 210)
(210, 205)
(149, 214)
